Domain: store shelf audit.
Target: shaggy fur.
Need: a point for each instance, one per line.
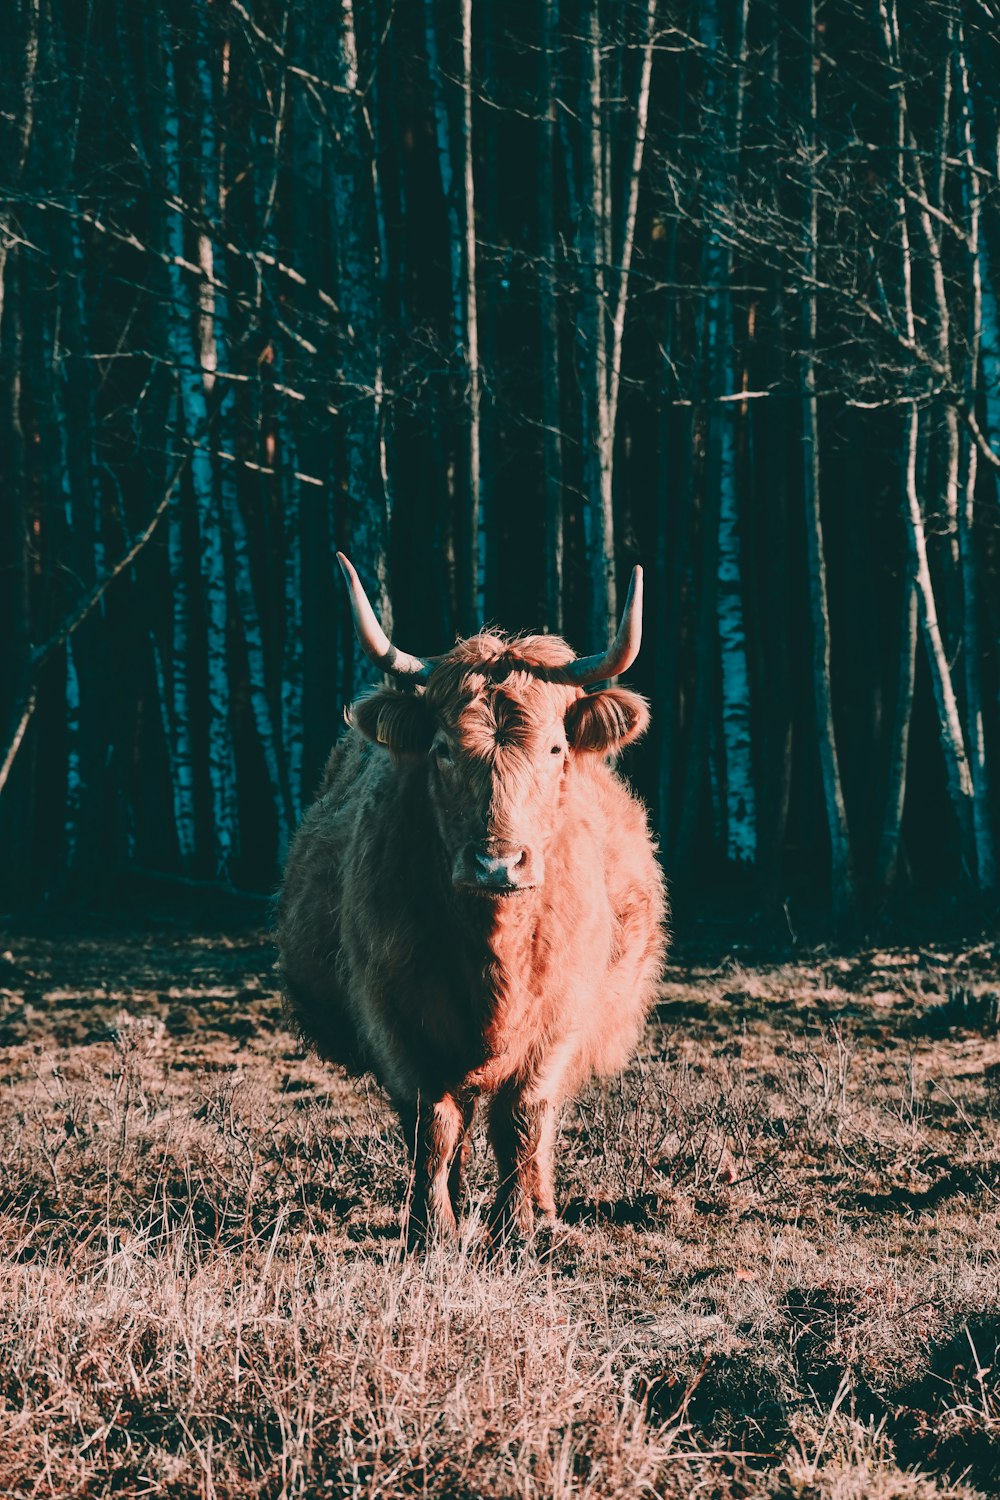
(392, 965)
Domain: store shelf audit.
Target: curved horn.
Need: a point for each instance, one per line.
(374, 641)
(623, 649)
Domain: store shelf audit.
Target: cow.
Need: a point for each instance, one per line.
(473, 907)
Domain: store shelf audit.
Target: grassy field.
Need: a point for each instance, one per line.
(778, 1272)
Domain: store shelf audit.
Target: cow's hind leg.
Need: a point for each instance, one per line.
(435, 1134)
(522, 1129)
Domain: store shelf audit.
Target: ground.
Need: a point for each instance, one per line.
(778, 1272)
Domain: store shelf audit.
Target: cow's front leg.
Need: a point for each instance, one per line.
(456, 1174)
(435, 1133)
(522, 1129)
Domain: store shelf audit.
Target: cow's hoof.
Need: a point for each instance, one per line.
(543, 1241)
(515, 1234)
(422, 1236)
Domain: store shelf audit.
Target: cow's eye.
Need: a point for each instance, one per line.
(443, 752)
(557, 749)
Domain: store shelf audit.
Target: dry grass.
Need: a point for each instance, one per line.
(778, 1275)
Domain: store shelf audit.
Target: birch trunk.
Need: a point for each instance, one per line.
(292, 644)
(15, 599)
(704, 688)
(175, 341)
(75, 780)
(69, 390)
(216, 352)
(842, 871)
(89, 743)
(458, 188)
(182, 758)
(194, 383)
(326, 635)
(673, 537)
(18, 699)
(260, 703)
(949, 723)
(723, 127)
(354, 229)
(989, 311)
(626, 247)
(595, 431)
(986, 864)
(767, 357)
(673, 570)
(549, 317)
(477, 528)
(491, 538)
(46, 358)
(604, 299)
(938, 321)
(887, 857)
(959, 778)
(58, 489)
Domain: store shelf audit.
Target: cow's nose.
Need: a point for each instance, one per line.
(498, 869)
(501, 871)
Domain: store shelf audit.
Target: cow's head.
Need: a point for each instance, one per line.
(499, 723)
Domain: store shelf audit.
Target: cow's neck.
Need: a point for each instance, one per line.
(503, 939)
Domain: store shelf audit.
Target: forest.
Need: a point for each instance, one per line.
(501, 300)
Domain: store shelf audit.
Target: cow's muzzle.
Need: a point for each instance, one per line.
(495, 869)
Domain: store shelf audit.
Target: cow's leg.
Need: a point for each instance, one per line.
(435, 1132)
(543, 1187)
(522, 1129)
(467, 1103)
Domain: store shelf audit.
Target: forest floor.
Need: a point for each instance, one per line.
(778, 1271)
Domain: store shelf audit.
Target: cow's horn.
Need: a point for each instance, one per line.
(374, 641)
(623, 649)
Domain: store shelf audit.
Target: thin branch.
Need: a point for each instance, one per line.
(22, 715)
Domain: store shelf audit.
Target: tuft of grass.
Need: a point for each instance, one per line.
(964, 1009)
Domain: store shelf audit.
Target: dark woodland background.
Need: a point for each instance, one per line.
(502, 298)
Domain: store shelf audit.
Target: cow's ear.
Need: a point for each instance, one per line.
(607, 720)
(402, 722)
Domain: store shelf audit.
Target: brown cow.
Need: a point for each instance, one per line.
(473, 906)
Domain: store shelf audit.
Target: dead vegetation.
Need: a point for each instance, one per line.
(778, 1272)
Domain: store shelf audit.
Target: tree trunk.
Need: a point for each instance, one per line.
(990, 352)
(768, 359)
(548, 306)
(182, 758)
(949, 724)
(595, 431)
(723, 127)
(458, 187)
(354, 226)
(193, 385)
(17, 695)
(322, 613)
(986, 864)
(842, 871)
(477, 527)
(887, 857)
